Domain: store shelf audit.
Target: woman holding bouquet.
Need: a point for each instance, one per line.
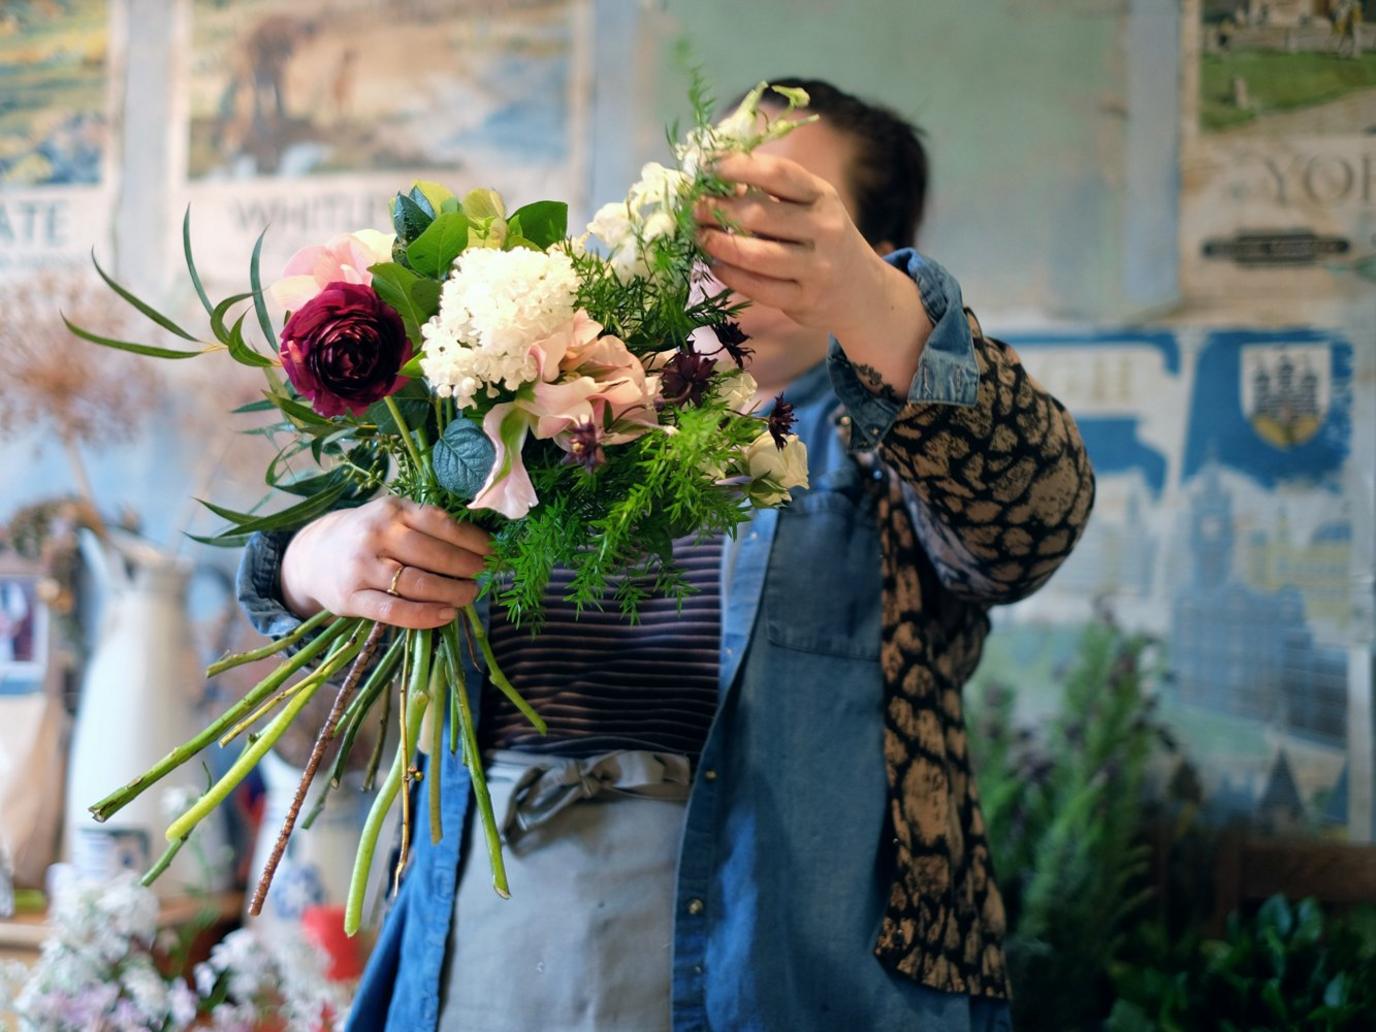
(758, 812)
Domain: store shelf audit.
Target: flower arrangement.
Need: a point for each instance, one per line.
(585, 404)
(100, 972)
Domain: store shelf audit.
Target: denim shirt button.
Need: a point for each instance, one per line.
(697, 969)
(695, 906)
(710, 774)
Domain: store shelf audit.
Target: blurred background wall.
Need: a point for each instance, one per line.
(1168, 207)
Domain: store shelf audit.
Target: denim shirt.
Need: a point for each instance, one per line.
(780, 891)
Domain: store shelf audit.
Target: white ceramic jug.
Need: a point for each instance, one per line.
(138, 702)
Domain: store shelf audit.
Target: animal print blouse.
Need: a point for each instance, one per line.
(978, 506)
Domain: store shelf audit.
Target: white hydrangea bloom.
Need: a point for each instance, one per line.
(494, 305)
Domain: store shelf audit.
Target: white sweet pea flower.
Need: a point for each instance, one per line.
(775, 470)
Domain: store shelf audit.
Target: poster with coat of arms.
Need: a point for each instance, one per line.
(1233, 522)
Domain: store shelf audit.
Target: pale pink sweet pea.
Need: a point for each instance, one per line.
(508, 489)
(344, 258)
(604, 384)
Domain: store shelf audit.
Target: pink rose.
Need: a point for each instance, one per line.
(344, 259)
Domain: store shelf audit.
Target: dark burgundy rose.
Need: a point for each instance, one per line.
(344, 349)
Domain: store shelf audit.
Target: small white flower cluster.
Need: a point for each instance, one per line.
(648, 213)
(97, 969)
(254, 968)
(493, 307)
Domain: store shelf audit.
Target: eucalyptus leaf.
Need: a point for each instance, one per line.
(439, 196)
(408, 218)
(462, 458)
(422, 202)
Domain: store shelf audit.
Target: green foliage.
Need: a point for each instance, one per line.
(1285, 968)
(543, 223)
(1065, 813)
(462, 459)
(621, 518)
(433, 252)
(414, 297)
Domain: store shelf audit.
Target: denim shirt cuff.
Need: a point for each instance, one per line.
(257, 585)
(947, 372)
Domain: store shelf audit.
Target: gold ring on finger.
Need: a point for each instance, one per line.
(392, 588)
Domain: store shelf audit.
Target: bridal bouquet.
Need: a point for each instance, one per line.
(584, 403)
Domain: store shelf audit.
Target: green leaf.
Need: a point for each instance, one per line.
(484, 203)
(262, 405)
(146, 309)
(125, 345)
(218, 313)
(1276, 914)
(433, 252)
(191, 263)
(422, 202)
(462, 458)
(240, 350)
(439, 197)
(259, 302)
(544, 222)
(1335, 993)
(409, 219)
(413, 297)
(292, 516)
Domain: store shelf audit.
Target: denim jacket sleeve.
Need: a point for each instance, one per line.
(947, 372)
(257, 584)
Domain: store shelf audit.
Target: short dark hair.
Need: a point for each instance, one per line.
(890, 173)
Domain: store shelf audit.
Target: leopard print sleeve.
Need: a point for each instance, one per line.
(1000, 490)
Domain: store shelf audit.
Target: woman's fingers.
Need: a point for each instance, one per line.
(417, 585)
(781, 177)
(400, 612)
(758, 215)
(772, 258)
(432, 520)
(777, 293)
(412, 547)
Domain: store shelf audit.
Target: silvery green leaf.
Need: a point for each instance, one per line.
(462, 458)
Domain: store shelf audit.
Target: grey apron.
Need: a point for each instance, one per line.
(584, 942)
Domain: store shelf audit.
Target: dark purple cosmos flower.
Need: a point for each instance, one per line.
(780, 421)
(343, 350)
(585, 447)
(686, 377)
(733, 339)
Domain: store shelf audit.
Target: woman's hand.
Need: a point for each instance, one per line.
(794, 247)
(346, 561)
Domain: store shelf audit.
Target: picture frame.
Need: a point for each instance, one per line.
(27, 664)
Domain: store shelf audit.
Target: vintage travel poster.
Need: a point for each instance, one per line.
(56, 145)
(307, 116)
(1278, 148)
